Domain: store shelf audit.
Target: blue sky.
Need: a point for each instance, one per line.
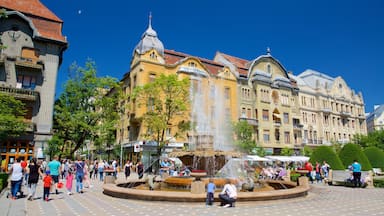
(338, 38)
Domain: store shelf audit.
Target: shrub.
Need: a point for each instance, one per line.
(378, 182)
(326, 153)
(3, 180)
(351, 152)
(375, 156)
(295, 176)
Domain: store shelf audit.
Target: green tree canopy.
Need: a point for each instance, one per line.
(12, 113)
(375, 138)
(375, 156)
(166, 100)
(351, 152)
(244, 141)
(87, 109)
(326, 153)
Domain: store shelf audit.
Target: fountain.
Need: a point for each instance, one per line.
(210, 149)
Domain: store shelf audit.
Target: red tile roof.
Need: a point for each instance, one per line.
(172, 57)
(47, 23)
(238, 62)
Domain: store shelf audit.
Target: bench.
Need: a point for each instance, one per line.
(377, 171)
(339, 177)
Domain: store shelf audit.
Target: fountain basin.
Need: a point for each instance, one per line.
(185, 196)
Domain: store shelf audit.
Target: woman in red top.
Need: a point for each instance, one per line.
(308, 166)
(47, 185)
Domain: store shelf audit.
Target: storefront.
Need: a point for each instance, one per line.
(13, 149)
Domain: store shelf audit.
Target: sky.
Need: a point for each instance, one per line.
(338, 38)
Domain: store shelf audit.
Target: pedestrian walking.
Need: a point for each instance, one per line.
(34, 172)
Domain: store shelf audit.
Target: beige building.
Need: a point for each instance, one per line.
(29, 65)
(330, 110)
(285, 110)
(375, 119)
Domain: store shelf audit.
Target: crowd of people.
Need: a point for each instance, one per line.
(55, 173)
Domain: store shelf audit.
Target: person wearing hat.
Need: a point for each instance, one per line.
(47, 185)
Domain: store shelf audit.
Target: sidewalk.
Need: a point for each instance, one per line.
(22, 206)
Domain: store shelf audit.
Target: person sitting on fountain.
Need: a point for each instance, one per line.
(229, 195)
(164, 166)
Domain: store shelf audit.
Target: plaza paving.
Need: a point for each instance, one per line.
(321, 200)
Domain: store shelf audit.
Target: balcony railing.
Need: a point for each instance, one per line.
(193, 70)
(251, 121)
(25, 94)
(298, 126)
(345, 114)
(29, 62)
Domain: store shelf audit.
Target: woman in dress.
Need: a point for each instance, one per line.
(34, 172)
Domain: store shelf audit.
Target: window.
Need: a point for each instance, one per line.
(151, 104)
(191, 64)
(227, 93)
(277, 135)
(266, 136)
(287, 137)
(286, 118)
(26, 82)
(269, 69)
(134, 81)
(152, 55)
(243, 112)
(265, 115)
(249, 113)
(152, 77)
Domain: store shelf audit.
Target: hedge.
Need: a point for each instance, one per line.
(326, 153)
(3, 180)
(378, 182)
(375, 156)
(351, 152)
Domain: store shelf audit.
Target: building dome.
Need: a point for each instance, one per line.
(149, 40)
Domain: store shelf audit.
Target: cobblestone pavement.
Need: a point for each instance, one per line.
(321, 200)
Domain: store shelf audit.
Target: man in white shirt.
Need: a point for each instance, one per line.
(229, 195)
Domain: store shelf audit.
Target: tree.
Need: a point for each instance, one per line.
(375, 138)
(244, 140)
(87, 109)
(166, 100)
(287, 151)
(326, 153)
(351, 152)
(11, 117)
(375, 156)
(3, 14)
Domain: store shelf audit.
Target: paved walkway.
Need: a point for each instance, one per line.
(322, 200)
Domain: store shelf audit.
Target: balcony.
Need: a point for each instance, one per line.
(193, 70)
(251, 121)
(24, 94)
(345, 114)
(361, 116)
(298, 126)
(29, 62)
(277, 123)
(326, 110)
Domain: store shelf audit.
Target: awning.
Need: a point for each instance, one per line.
(276, 115)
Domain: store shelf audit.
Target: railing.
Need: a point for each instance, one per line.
(193, 70)
(250, 121)
(29, 62)
(343, 113)
(26, 94)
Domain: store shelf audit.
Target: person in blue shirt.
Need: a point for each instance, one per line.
(211, 187)
(54, 168)
(356, 169)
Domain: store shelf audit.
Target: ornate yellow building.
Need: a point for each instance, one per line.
(284, 110)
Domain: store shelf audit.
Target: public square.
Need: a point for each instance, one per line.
(321, 200)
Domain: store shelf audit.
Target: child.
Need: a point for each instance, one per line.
(47, 185)
(211, 187)
(68, 182)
